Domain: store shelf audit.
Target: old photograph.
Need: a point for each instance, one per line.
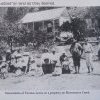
(50, 48)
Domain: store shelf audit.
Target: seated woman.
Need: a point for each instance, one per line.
(33, 68)
(64, 63)
(58, 69)
(45, 62)
(46, 66)
(15, 59)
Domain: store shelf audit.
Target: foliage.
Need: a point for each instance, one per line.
(9, 28)
(66, 26)
(77, 27)
(93, 12)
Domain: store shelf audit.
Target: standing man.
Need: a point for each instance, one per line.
(76, 51)
(88, 49)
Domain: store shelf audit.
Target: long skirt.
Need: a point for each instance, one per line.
(76, 59)
(47, 68)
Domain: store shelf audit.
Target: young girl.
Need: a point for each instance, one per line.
(58, 69)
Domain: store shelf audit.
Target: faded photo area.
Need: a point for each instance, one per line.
(49, 48)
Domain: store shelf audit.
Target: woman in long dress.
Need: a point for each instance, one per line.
(58, 68)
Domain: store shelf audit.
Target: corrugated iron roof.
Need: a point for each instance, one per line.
(44, 15)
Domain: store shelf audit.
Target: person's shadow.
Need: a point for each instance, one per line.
(96, 74)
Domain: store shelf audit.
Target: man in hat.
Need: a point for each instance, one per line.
(76, 51)
(88, 49)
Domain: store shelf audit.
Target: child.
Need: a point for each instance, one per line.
(57, 70)
(64, 63)
(33, 68)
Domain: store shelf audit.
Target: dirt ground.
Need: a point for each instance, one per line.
(63, 82)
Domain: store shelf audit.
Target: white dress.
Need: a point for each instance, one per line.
(57, 71)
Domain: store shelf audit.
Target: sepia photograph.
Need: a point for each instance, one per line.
(50, 48)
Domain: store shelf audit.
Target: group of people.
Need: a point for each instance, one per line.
(61, 63)
(55, 63)
(77, 50)
(17, 62)
(51, 62)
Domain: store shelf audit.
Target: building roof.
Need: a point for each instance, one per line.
(45, 15)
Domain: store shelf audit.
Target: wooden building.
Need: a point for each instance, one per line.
(44, 20)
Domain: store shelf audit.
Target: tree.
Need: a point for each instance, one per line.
(11, 15)
(94, 14)
(78, 27)
(66, 26)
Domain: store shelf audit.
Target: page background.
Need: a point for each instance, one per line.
(94, 95)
